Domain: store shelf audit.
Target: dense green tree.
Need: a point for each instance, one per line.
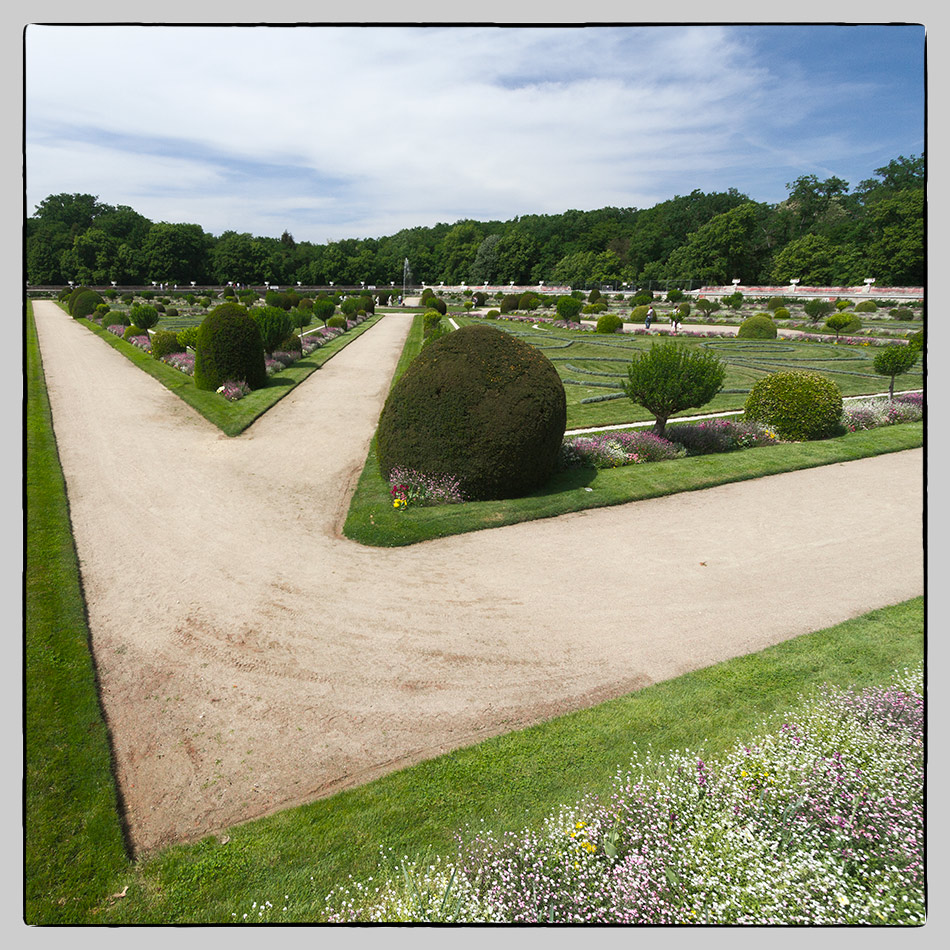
(671, 377)
(238, 258)
(176, 253)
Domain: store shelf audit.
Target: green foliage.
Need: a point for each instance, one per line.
(894, 360)
(865, 306)
(323, 308)
(510, 302)
(916, 340)
(901, 313)
(188, 337)
(609, 323)
(800, 406)
(229, 347)
(843, 304)
(480, 298)
(734, 301)
(133, 330)
(816, 309)
(598, 307)
(274, 324)
(568, 308)
(116, 318)
(101, 309)
(684, 308)
(841, 322)
(638, 314)
(481, 406)
(593, 296)
(707, 306)
(642, 297)
(774, 303)
(432, 327)
(757, 327)
(437, 303)
(338, 322)
(782, 313)
(674, 296)
(671, 377)
(165, 342)
(171, 312)
(493, 315)
(144, 315)
(529, 300)
(83, 303)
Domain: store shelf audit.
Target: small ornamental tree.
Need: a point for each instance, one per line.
(144, 316)
(816, 309)
(734, 301)
(568, 308)
(672, 377)
(706, 305)
(323, 308)
(839, 322)
(894, 360)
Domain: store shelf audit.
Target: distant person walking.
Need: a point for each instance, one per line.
(649, 318)
(675, 318)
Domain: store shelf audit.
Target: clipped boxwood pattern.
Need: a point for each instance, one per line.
(481, 406)
(229, 346)
(759, 326)
(799, 406)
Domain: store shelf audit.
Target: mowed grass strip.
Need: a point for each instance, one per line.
(74, 841)
(232, 418)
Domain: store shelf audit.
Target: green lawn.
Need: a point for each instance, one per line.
(373, 521)
(75, 860)
(232, 418)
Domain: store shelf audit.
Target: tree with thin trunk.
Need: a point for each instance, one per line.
(894, 360)
(671, 377)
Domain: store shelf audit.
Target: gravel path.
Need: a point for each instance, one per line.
(251, 658)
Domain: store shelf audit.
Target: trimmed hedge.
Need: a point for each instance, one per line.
(479, 405)
(165, 342)
(799, 405)
(759, 326)
(609, 323)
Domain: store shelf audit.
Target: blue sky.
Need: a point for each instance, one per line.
(334, 132)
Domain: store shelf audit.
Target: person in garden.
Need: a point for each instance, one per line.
(649, 318)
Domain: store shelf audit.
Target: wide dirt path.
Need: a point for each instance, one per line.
(251, 658)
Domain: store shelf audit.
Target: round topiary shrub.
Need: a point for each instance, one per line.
(866, 306)
(84, 303)
(493, 315)
(165, 342)
(187, 337)
(608, 323)
(782, 313)
(479, 405)
(638, 314)
(798, 405)
(759, 326)
(509, 303)
(171, 311)
(338, 322)
(115, 318)
(229, 346)
(133, 330)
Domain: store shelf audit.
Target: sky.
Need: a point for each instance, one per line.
(333, 132)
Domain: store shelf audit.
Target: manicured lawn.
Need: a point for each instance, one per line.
(232, 418)
(594, 365)
(75, 862)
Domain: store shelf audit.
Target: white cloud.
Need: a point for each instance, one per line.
(397, 123)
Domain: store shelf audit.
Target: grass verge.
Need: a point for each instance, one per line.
(232, 418)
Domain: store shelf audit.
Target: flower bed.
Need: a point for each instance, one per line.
(408, 487)
(817, 821)
(875, 412)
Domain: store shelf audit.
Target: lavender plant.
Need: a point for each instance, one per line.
(612, 449)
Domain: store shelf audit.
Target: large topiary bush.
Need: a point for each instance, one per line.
(759, 326)
(274, 323)
(798, 405)
(479, 405)
(84, 303)
(229, 346)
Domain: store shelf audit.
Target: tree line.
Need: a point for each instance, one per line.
(823, 233)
